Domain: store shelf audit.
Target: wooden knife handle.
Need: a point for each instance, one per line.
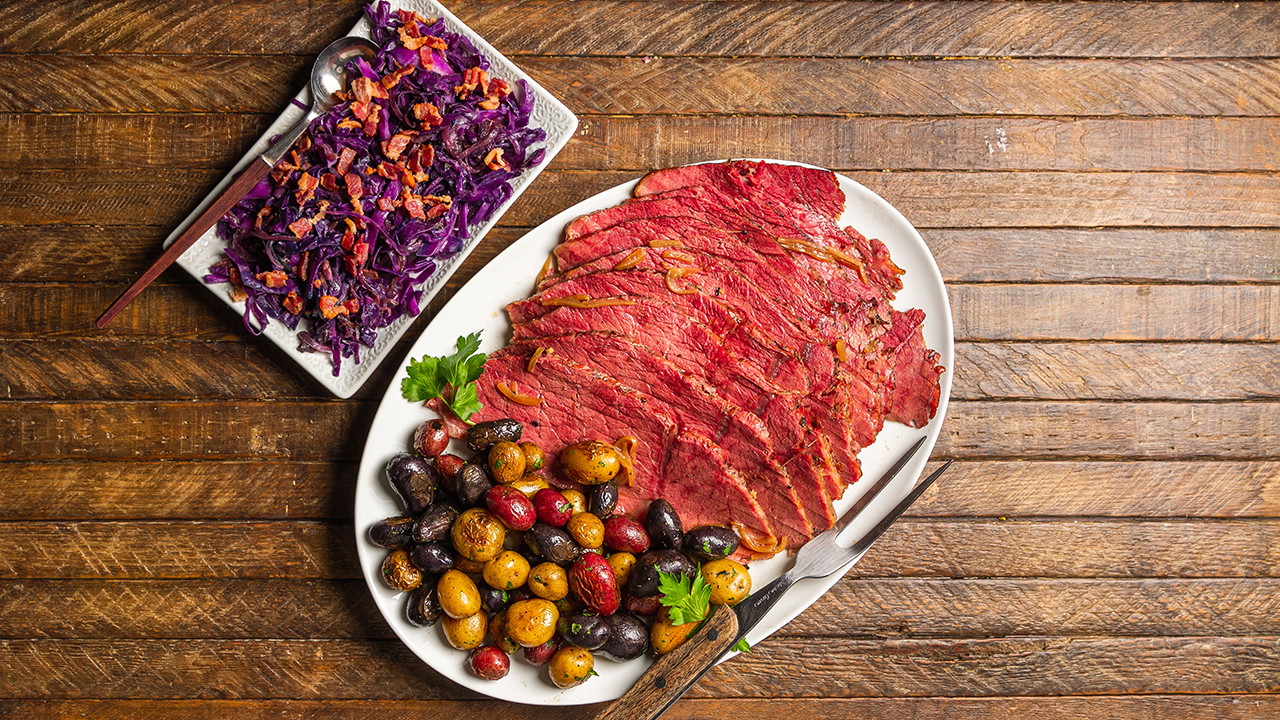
(243, 183)
(674, 673)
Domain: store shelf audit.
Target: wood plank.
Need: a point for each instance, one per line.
(929, 199)
(1115, 312)
(203, 141)
(118, 254)
(1100, 707)
(336, 669)
(124, 370)
(857, 608)
(328, 430)
(561, 27)
(915, 548)
(658, 85)
(309, 490)
(179, 489)
(1015, 312)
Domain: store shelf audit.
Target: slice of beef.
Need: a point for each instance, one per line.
(793, 499)
(916, 371)
(729, 305)
(817, 190)
(680, 465)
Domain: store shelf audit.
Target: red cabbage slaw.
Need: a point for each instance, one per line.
(380, 189)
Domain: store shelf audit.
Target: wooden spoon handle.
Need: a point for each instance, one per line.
(243, 183)
(674, 673)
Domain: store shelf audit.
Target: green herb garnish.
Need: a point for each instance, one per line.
(741, 646)
(687, 599)
(451, 378)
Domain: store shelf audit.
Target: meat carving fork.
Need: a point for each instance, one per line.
(674, 673)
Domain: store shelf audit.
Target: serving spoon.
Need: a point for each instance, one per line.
(328, 76)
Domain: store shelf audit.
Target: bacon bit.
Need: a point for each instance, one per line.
(661, 243)
(360, 253)
(414, 205)
(233, 274)
(307, 184)
(348, 240)
(396, 145)
(238, 293)
(261, 218)
(273, 278)
(361, 110)
(345, 158)
(441, 199)
(387, 170)
(304, 142)
(842, 352)
(428, 113)
(300, 227)
(631, 260)
(471, 79)
(436, 43)
(303, 262)
(390, 80)
(352, 306)
(386, 204)
(426, 58)
(355, 185)
(498, 88)
(371, 125)
(489, 103)
(583, 301)
(537, 355)
(349, 125)
(410, 37)
(764, 544)
(324, 209)
(329, 181)
(495, 161)
(510, 393)
(330, 308)
(366, 90)
(292, 303)
(678, 272)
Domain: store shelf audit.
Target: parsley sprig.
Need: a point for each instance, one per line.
(689, 600)
(451, 378)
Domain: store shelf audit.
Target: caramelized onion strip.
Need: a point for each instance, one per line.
(678, 272)
(582, 301)
(509, 393)
(631, 260)
(755, 543)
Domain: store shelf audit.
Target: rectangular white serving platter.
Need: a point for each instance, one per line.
(548, 113)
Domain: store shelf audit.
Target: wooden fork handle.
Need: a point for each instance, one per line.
(674, 673)
(239, 187)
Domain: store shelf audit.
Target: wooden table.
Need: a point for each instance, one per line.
(1097, 181)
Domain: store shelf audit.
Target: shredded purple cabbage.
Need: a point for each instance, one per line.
(303, 246)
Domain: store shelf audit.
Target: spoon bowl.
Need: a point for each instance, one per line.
(329, 73)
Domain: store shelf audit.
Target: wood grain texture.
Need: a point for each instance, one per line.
(119, 370)
(674, 27)
(854, 608)
(115, 254)
(204, 141)
(923, 547)
(1231, 313)
(42, 430)
(832, 668)
(1112, 707)
(319, 490)
(928, 199)
(660, 85)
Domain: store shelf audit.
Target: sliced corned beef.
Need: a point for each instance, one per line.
(817, 190)
(681, 465)
(696, 406)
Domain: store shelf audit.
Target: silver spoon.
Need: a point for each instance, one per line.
(328, 76)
